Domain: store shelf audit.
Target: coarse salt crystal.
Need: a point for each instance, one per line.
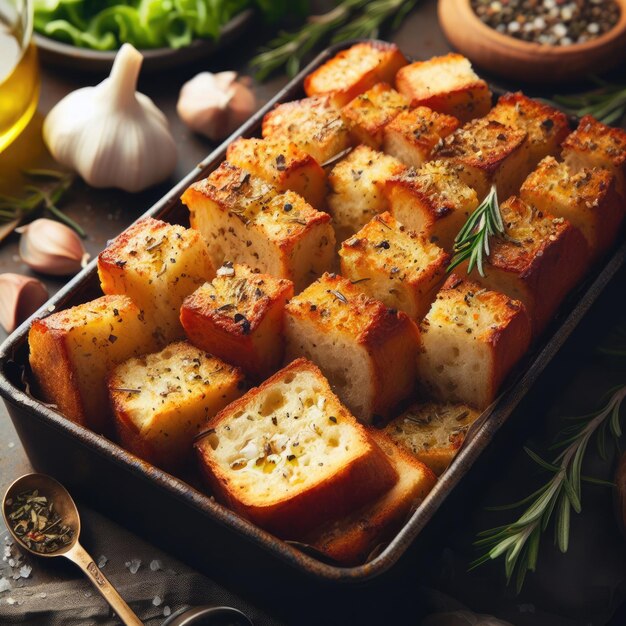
(157, 601)
(102, 561)
(43, 594)
(156, 565)
(11, 601)
(167, 611)
(11, 444)
(133, 565)
(25, 571)
(5, 584)
(12, 562)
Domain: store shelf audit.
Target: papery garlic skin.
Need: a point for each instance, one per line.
(112, 135)
(52, 248)
(20, 297)
(215, 105)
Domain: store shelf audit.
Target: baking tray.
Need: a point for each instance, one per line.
(180, 517)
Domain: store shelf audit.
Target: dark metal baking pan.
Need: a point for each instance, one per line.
(180, 517)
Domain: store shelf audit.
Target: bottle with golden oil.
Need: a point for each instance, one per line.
(19, 70)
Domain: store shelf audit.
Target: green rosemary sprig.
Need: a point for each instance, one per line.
(519, 541)
(472, 242)
(18, 209)
(348, 20)
(607, 103)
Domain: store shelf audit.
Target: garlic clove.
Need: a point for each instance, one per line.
(20, 297)
(51, 248)
(112, 135)
(215, 104)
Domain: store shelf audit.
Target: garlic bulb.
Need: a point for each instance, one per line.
(112, 135)
(51, 248)
(215, 104)
(20, 297)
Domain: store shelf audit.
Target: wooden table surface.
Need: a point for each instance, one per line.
(104, 213)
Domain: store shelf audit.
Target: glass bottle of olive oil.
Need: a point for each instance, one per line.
(19, 70)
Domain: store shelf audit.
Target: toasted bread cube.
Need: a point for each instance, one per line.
(490, 153)
(587, 199)
(432, 201)
(357, 188)
(472, 337)
(282, 164)
(368, 114)
(315, 125)
(412, 135)
(545, 126)
(355, 70)
(433, 432)
(289, 456)
(156, 265)
(366, 350)
(352, 539)
(246, 220)
(238, 317)
(594, 144)
(542, 258)
(400, 268)
(72, 351)
(446, 84)
(161, 401)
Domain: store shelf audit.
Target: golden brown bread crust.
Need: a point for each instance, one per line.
(50, 362)
(351, 540)
(494, 328)
(160, 401)
(433, 432)
(594, 144)
(368, 114)
(588, 199)
(542, 261)
(433, 201)
(351, 486)
(239, 318)
(412, 135)
(246, 220)
(334, 306)
(282, 164)
(546, 126)
(394, 265)
(58, 356)
(446, 84)
(355, 70)
(314, 124)
(156, 264)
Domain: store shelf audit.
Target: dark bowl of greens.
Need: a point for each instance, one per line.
(86, 34)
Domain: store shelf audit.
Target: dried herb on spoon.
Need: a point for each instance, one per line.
(37, 523)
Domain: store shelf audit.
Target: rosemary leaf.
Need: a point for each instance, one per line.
(519, 541)
(607, 103)
(15, 209)
(472, 242)
(349, 19)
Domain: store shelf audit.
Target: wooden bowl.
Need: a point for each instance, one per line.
(515, 59)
